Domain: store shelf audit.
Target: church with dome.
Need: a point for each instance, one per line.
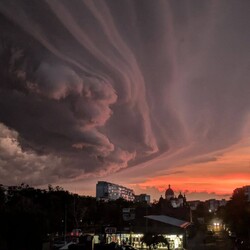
(175, 206)
(179, 201)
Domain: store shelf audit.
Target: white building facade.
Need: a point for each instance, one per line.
(110, 191)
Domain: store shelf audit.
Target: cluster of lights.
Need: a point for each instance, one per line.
(216, 223)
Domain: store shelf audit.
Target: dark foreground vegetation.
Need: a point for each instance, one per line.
(236, 216)
(30, 216)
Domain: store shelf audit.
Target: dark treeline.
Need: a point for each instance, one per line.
(28, 215)
(236, 215)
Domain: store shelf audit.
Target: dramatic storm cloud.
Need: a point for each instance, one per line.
(88, 88)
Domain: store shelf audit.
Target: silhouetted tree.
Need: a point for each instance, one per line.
(237, 213)
(152, 240)
(28, 214)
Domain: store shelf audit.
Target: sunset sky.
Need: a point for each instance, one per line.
(139, 93)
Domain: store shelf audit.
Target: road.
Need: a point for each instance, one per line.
(221, 242)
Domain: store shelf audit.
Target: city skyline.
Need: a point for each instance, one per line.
(144, 94)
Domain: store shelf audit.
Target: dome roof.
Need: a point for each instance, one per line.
(180, 196)
(169, 191)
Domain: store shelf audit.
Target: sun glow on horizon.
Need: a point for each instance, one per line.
(219, 177)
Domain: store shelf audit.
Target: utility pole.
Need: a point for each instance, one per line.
(65, 224)
(75, 215)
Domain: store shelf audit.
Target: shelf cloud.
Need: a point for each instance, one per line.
(90, 88)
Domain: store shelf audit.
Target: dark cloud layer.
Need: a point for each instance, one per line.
(92, 87)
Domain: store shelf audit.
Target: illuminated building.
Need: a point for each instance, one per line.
(172, 229)
(110, 191)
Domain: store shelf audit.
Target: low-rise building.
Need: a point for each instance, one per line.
(194, 204)
(142, 198)
(213, 204)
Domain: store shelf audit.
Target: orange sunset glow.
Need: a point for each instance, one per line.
(220, 176)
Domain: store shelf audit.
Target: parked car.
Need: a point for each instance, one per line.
(76, 232)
